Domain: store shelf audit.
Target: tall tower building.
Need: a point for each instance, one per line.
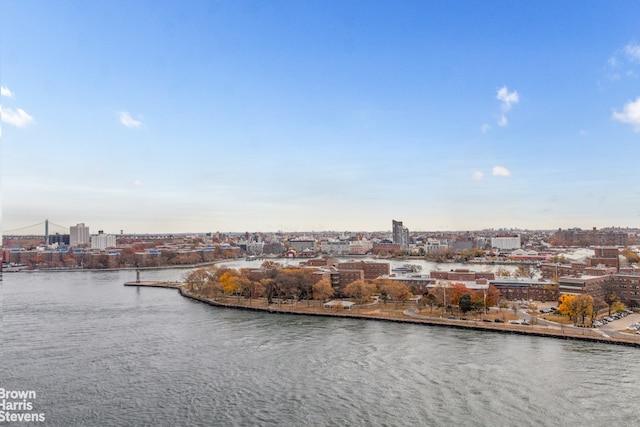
(400, 234)
(79, 235)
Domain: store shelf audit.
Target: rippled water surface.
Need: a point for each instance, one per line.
(99, 353)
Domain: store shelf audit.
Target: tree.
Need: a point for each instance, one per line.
(618, 307)
(525, 270)
(442, 295)
(457, 290)
(577, 307)
(295, 283)
(399, 292)
(611, 298)
(493, 296)
(243, 286)
(255, 290)
(196, 279)
(229, 281)
(631, 256)
(502, 272)
(431, 300)
(465, 304)
(567, 306)
(440, 255)
(322, 290)
(583, 307)
(598, 305)
(270, 288)
(359, 290)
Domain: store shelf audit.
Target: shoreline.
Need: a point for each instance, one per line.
(505, 328)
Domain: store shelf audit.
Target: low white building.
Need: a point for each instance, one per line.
(432, 245)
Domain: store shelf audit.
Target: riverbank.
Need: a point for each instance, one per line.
(399, 316)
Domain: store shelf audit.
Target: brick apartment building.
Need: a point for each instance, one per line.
(599, 276)
(578, 237)
(371, 270)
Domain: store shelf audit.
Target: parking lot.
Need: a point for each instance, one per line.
(622, 323)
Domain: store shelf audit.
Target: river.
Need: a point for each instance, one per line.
(98, 353)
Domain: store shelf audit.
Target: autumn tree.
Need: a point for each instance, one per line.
(440, 255)
(359, 290)
(493, 296)
(295, 283)
(398, 292)
(631, 256)
(610, 296)
(467, 254)
(322, 290)
(442, 295)
(243, 286)
(583, 307)
(503, 272)
(457, 290)
(566, 306)
(618, 306)
(229, 280)
(197, 280)
(525, 270)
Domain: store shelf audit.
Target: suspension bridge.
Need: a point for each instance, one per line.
(41, 229)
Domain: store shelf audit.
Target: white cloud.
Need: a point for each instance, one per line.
(128, 121)
(19, 117)
(138, 183)
(500, 171)
(632, 51)
(508, 98)
(630, 114)
(622, 64)
(477, 176)
(485, 128)
(4, 91)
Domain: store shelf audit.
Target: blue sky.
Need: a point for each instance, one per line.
(151, 116)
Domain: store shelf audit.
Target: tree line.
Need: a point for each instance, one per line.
(278, 284)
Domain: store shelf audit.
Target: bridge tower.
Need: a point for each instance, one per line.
(46, 232)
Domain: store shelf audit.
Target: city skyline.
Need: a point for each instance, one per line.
(155, 117)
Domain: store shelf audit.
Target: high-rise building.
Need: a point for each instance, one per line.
(400, 234)
(79, 235)
(103, 241)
